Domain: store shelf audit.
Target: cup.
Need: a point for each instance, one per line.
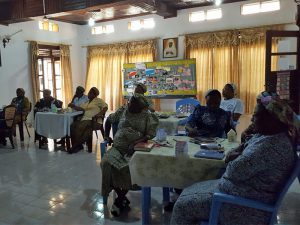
(161, 135)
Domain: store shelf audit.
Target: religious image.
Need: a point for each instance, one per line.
(170, 48)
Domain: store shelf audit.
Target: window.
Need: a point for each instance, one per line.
(211, 14)
(49, 26)
(49, 71)
(259, 7)
(139, 24)
(103, 29)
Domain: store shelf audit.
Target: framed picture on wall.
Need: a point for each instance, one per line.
(170, 48)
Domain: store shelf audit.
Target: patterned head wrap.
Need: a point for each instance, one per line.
(141, 99)
(143, 86)
(284, 113)
(266, 97)
(95, 90)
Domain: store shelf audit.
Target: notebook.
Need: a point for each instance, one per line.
(144, 146)
(209, 154)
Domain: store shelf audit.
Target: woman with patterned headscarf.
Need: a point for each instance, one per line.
(136, 124)
(258, 173)
(231, 103)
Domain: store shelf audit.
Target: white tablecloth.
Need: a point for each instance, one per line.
(161, 168)
(54, 125)
(169, 125)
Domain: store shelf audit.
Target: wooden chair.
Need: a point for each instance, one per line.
(24, 121)
(9, 119)
(186, 105)
(98, 126)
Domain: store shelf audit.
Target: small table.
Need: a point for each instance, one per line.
(54, 125)
(161, 168)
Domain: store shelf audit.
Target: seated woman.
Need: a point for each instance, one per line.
(258, 173)
(23, 108)
(230, 103)
(209, 120)
(136, 125)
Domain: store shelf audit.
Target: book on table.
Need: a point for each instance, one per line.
(144, 146)
(210, 154)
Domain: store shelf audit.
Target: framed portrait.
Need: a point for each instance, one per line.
(170, 48)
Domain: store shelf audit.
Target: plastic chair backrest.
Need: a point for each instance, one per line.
(295, 174)
(186, 105)
(9, 115)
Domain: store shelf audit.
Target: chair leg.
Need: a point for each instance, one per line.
(21, 131)
(146, 202)
(27, 129)
(96, 134)
(11, 141)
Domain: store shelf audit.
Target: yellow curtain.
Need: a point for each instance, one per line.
(105, 64)
(34, 49)
(105, 72)
(66, 72)
(236, 56)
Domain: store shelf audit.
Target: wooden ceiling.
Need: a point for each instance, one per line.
(79, 11)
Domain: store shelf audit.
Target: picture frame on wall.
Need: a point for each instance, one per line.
(170, 48)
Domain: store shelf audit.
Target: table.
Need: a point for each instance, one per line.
(170, 124)
(161, 168)
(54, 125)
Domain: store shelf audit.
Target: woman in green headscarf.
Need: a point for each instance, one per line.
(136, 124)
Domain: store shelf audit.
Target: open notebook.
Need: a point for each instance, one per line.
(210, 154)
(144, 146)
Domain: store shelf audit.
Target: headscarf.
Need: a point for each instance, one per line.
(81, 89)
(143, 86)
(265, 97)
(284, 113)
(95, 90)
(141, 99)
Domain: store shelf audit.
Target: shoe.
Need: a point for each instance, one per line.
(76, 149)
(135, 187)
(169, 207)
(115, 211)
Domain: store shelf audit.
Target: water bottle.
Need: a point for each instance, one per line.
(53, 108)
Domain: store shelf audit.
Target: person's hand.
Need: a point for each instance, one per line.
(234, 154)
(71, 105)
(192, 132)
(130, 150)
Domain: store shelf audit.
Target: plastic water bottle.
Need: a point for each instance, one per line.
(231, 136)
(53, 108)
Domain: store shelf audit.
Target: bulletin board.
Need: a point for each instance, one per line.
(164, 79)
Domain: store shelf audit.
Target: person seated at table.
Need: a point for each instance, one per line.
(142, 89)
(47, 101)
(258, 173)
(23, 108)
(231, 103)
(44, 104)
(136, 124)
(82, 130)
(79, 97)
(209, 120)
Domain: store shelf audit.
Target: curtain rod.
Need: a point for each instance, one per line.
(48, 43)
(239, 28)
(121, 42)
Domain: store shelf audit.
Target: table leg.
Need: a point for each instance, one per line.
(146, 202)
(68, 143)
(166, 194)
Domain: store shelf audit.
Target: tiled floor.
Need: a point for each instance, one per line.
(51, 187)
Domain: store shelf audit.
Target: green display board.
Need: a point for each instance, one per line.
(165, 79)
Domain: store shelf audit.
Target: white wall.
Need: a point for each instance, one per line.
(15, 70)
(180, 25)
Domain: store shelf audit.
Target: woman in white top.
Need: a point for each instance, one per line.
(231, 103)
